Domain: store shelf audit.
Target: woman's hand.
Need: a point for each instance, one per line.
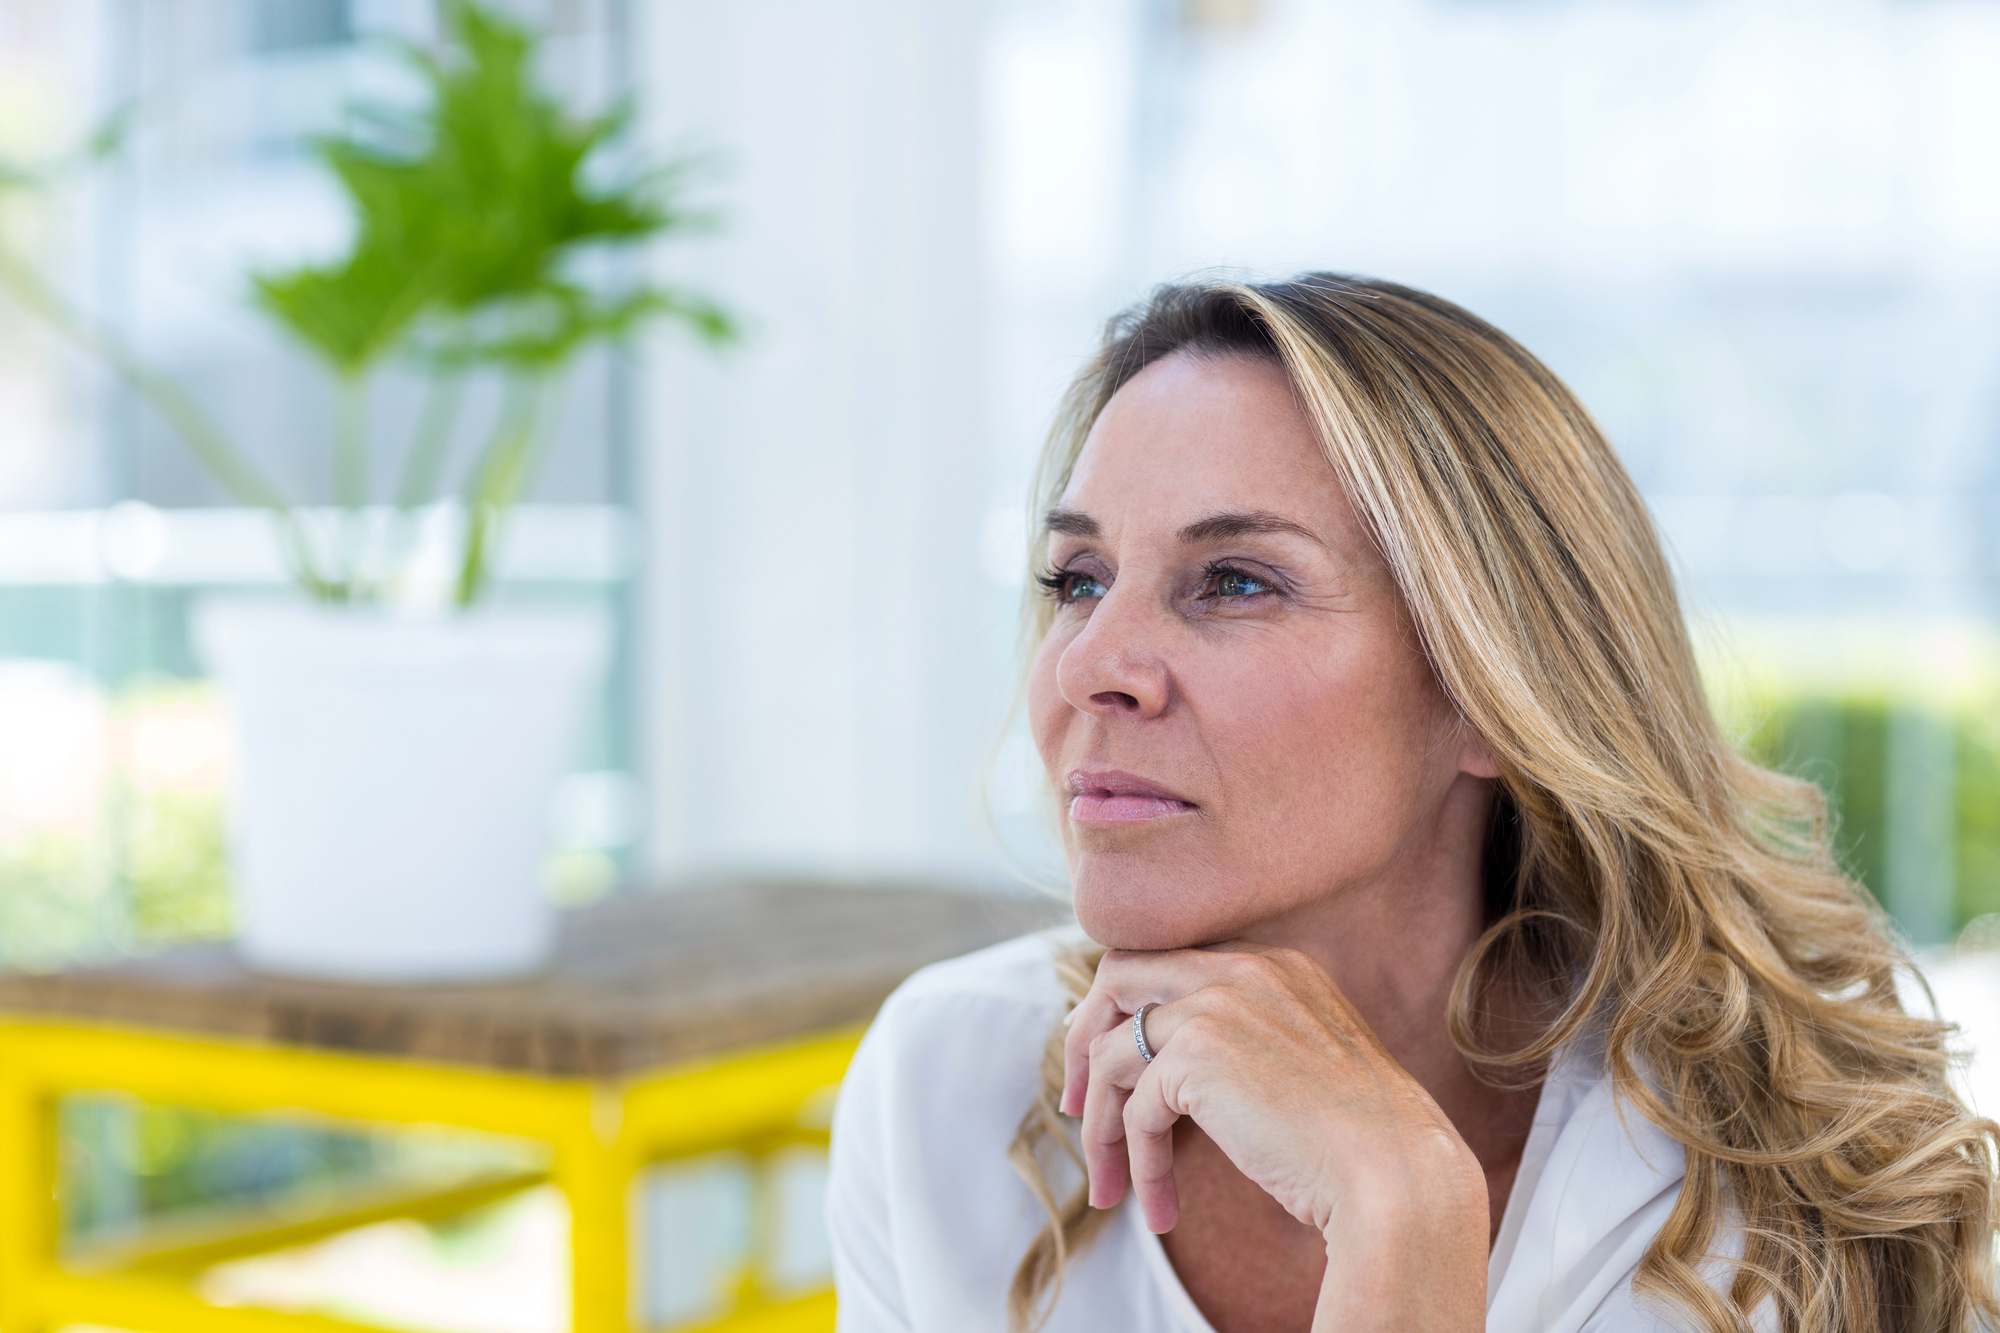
(1263, 1052)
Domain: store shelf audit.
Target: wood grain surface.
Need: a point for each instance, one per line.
(637, 982)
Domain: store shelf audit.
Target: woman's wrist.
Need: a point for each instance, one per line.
(1420, 1179)
(1406, 1240)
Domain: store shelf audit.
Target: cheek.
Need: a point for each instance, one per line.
(1330, 743)
(1049, 714)
(1330, 763)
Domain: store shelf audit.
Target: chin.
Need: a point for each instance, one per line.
(1122, 905)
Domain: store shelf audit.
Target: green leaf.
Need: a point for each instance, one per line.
(474, 221)
(351, 313)
(475, 213)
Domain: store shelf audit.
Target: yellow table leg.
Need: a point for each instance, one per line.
(27, 1193)
(592, 1177)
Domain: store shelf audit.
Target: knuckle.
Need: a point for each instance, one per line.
(1194, 1034)
(1284, 960)
(1240, 961)
(1276, 965)
(1227, 1007)
(1253, 969)
(1109, 968)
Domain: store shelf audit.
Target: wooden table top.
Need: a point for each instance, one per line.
(637, 982)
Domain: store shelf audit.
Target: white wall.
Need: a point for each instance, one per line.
(822, 669)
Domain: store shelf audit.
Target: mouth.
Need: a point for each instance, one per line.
(1107, 796)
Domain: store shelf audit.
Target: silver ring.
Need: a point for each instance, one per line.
(1139, 1029)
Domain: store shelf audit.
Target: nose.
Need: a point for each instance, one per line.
(1113, 667)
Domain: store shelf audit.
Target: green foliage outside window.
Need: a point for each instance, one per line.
(127, 1164)
(1978, 850)
(1842, 744)
(176, 866)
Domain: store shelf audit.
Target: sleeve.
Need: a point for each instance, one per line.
(926, 1216)
(857, 1201)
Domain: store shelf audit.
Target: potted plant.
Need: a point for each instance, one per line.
(399, 738)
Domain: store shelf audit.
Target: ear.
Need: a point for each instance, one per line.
(1474, 757)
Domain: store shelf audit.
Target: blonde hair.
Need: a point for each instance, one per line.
(1645, 882)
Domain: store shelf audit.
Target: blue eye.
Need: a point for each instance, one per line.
(1078, 587)
(1235, 583)
(1066, 586)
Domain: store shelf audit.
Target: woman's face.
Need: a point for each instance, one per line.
(1231, 703)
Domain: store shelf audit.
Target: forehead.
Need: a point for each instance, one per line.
(1191, 436)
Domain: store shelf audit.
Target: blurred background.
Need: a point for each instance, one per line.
(1760, 238)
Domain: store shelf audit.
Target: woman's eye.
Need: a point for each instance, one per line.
(1235, 583)
(1081, 587)
(1067, 585)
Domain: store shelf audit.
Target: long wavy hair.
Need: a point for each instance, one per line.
(1645, 882)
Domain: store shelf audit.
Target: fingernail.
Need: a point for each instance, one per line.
(1069, 1018)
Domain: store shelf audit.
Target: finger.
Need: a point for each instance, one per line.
(1129, 978)
(1112, 1074)
(1126, 980)
(1091, 1019)
(1162, 1020)
(1257, 973)
(1149, 1140)
(1119, 990)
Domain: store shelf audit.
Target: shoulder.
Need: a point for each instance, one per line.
(961, 1041)
(926, 1212)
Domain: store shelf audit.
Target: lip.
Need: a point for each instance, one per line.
(1111, 796)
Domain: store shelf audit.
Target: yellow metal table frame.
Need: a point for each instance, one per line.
(599, 1133)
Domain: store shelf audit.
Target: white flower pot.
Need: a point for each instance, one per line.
(391, 811)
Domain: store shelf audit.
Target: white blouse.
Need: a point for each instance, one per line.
(928, 1218)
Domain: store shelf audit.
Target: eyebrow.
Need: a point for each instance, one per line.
(1214, 528)
(1070, 523)
(1259, 523)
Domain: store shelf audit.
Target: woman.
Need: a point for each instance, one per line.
(1446, 968)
